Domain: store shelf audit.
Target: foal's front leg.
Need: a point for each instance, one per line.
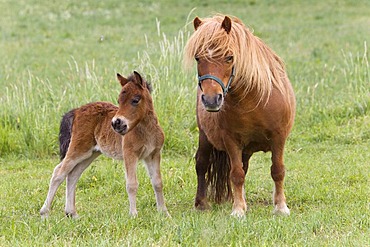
(132, 183)
(154, 171)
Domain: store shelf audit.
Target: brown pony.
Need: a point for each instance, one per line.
(130, 132)
(245, 104)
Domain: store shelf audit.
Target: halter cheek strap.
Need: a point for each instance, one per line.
(218, 80)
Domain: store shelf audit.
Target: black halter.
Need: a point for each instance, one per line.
(218, 80)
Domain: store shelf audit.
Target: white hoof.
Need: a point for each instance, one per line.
(281, 210)
(238, 213)
(44, 213)
(133, 214)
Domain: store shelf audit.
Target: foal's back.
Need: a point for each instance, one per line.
(92, 130)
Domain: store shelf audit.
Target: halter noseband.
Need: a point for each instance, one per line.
(218, 80)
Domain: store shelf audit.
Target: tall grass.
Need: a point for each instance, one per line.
(32, 107)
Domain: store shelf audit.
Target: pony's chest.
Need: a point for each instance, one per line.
(241, 129)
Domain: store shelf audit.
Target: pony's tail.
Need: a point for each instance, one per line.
(65, 133)
(218, 176)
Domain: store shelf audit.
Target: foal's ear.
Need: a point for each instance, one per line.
(226, 24)
(122, 79)
(139, 79)
(197, 22)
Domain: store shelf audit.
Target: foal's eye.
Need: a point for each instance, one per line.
(135, 101)
(229, 59)
(197, 59)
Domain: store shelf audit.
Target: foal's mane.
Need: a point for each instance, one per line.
(257, 67)
(147, 84)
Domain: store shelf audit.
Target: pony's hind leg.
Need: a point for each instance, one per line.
(201, 166)
(153, 167)
(278, 174)
(72, 178)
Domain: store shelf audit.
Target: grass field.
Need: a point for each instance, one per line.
(57, 56)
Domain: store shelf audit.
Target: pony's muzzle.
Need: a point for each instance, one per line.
(119, 125)
(212, 103)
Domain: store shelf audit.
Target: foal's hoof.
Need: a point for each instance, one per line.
(281, 210)
(166, 214)
(72, 215)
(44, 213)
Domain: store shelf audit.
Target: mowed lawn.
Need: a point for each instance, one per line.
(59, 55)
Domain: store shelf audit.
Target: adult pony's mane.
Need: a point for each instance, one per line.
(257, 67)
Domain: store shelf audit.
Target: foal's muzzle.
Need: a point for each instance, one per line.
(120, 125)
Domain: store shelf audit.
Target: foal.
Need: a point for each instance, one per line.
(130, 132)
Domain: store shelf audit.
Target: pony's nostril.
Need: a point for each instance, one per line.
(124, 127)
(219, 99)
(203, 99)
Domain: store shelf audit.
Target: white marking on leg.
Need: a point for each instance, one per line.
(72, 179)
(153, 168)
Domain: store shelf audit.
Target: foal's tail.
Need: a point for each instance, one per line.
(218, 176)
(65, 133)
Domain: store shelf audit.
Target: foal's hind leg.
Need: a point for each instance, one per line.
(72, 178)
(201, 166)
(59, 174)
(153, 167)
(278, 174)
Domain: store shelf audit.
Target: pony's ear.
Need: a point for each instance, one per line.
(138, 79)
(122, 79)
(197, 22)
(226, 24)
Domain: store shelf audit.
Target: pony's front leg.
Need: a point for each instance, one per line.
(131, 181)
(154, 171)
(278, 174)
(237, 176)
(202, 164)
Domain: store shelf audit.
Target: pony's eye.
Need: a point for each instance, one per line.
(135, 101)
(229, 59)
(197, 59)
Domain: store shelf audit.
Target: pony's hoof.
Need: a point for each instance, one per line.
(281, 210)
(202, 205)
(238, 213)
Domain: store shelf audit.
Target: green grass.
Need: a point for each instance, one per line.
(56, 56)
